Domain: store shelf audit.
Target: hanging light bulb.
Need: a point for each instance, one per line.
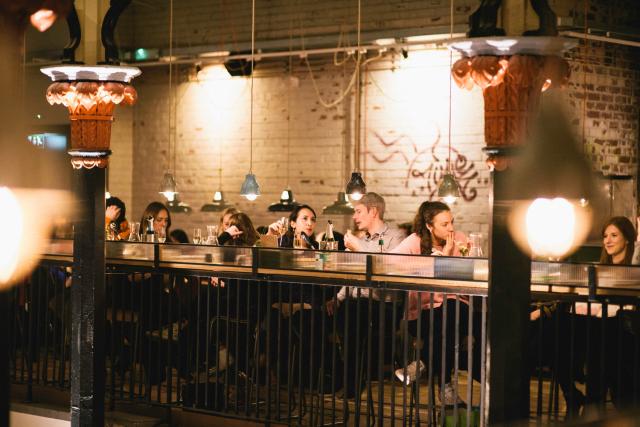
(549, 187)
(356, 188)
(217, 205)
(448, 189)
(168, 188)
(340, 207)
(250, 188)
(286, 204)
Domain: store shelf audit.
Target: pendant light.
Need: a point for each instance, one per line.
(168, 188)
(250, 188)
(356, 188)
(448, 189)
(176, 206)
(287, 203)
(218, 204)
(340, 207)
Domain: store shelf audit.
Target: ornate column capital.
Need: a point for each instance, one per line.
(91, 94)
(512, 73)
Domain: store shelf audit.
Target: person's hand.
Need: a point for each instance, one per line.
(216, 282)
(276, 229)
(233, 231)
(331, 306)
(351, 242)
(112, 212)
(449, 245)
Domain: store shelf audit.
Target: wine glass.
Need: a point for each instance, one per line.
(283, 230)
(134, 234)
(161, 234)
(212, 235)
(197, 236)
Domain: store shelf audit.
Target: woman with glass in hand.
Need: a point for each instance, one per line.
(295, 309)
(434, 235)
(302, 220)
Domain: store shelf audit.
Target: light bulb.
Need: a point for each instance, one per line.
(549, 228)
(217, 196)
(449, 199)
(284, 195)
(356, 196)
(169, 195)
(251, 197)
(107, 195)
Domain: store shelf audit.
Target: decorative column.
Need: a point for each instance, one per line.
(90, 94)
(512, 73)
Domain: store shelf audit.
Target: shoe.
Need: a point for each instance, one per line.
(450, 397)
(411, 371)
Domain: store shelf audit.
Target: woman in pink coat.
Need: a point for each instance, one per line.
(434, 235)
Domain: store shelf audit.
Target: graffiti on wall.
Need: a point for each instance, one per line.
(427, 164)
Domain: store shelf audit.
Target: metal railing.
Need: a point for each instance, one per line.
(262, 334)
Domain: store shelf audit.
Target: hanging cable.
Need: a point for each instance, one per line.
(450, 80)
(171, 100)
(357, 94)
(253, 47)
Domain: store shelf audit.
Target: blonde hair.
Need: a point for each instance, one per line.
(373, 200)
(227, 211)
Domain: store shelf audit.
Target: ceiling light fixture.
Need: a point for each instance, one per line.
(250, 188)
(356, 187)
(448, 189)
(168, 188)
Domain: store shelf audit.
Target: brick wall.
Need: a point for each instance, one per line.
(404, 121)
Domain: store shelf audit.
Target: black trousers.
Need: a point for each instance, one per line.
(367, 326)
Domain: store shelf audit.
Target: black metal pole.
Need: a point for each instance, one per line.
(508, 314)
(88, 301)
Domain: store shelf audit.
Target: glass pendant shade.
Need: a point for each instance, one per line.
(178, 207)
(286, 204)
(250, 188)
(448, 190)
(217, 205)
(168, 188)
(550, 183)
(340, 207)
(356, 188)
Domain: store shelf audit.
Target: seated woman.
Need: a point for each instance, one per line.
(240, 231)
(434, 234)
(296, 309)
(301, 220)
(116, 224)
(602, 328)
(161, 218)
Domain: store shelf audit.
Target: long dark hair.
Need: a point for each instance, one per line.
(426, 212)
(629, 233)
(249, 235)
(287, 239)
(153, 209)
(114, 201)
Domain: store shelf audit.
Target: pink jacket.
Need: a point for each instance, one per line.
(411, 245)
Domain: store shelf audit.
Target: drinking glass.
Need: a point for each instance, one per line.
(134, 235)
(212, 235)
(476, 245)
(162, 235)
(297, 242)
(197, 236)
(283, 229)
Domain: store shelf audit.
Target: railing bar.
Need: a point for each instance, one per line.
(483, 361)
(45, 371)
(470, 335)
(207, 344)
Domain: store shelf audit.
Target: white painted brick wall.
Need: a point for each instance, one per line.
(403, 100)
